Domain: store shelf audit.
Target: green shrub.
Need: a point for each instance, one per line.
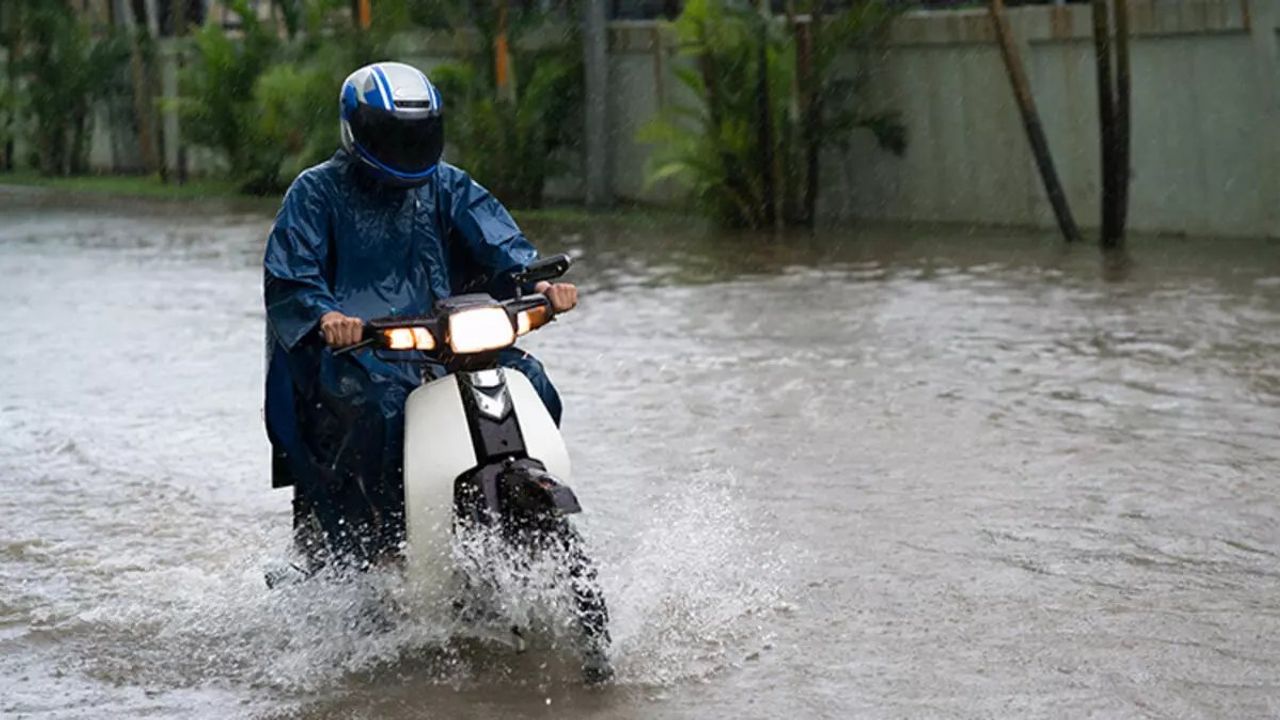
(297, 103)
(743, 166)
(511, 144)
(270, 106)
(217, 105)
(64, 70)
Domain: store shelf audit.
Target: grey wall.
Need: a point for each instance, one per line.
(1206, 126)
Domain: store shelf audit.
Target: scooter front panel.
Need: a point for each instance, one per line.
(542, 440)
(437, 449)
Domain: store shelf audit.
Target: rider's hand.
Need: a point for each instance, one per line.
(339, 330)
(563, 296)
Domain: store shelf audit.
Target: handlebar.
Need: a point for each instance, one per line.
(434, 334)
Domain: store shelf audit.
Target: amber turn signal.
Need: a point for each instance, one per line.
(532, 319)
(409, 338)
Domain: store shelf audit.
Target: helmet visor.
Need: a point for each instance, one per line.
(408, 145)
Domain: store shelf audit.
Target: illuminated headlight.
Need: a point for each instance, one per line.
(480, 329)
(409, 338)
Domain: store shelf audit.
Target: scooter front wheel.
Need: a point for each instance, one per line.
(588, 603)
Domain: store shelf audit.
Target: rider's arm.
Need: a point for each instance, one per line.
(295, 287)
(491, 235)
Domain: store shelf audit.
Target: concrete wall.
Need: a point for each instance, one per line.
(1206, 118)
(1206, 125)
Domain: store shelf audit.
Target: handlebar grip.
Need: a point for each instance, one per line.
(368, 337)
(548, 268)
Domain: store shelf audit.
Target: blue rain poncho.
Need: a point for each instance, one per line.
(344, 242)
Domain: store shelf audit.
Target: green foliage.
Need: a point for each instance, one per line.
(510, 143)
(267, 105)
(296, 102)
(742, 63)
(297, 98)
(217, 104)
(64, 71)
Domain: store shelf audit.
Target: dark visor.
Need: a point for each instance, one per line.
(405, 145)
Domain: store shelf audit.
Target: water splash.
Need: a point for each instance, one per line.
(692, 582)
(698, 579)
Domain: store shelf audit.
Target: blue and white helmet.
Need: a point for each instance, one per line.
(392, 121)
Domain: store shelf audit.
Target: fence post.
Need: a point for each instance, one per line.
(595, 48)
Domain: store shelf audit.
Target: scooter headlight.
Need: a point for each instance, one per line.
(409, 338)
(480, 329)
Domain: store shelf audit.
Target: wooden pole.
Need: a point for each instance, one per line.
(1031, 122)
(502, 57)
(1121, 163)
(1106, 116)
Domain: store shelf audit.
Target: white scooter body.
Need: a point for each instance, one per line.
(439, 447)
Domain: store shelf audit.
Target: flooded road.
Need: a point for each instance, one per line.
(881, 473)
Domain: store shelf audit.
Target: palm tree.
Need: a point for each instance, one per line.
(141, 74)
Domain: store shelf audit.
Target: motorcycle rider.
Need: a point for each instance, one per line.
(384, 227)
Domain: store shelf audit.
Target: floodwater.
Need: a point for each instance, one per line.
(880, 473)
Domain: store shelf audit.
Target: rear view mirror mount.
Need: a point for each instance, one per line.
(548, 268)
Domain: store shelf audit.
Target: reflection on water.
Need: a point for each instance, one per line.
(873, 472)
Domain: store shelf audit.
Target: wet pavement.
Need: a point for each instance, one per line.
(880, 472)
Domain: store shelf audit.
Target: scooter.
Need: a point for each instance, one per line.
(482, 453)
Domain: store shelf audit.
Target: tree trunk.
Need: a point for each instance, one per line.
(13, 37)
(764, 127)
(1031, 122)
(154, 81)
(141, 94)
(792, 131)
(811, 110)
(1106, 115)
(179, 18)
(76, 157)
(153, 18)
(1120, 165)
